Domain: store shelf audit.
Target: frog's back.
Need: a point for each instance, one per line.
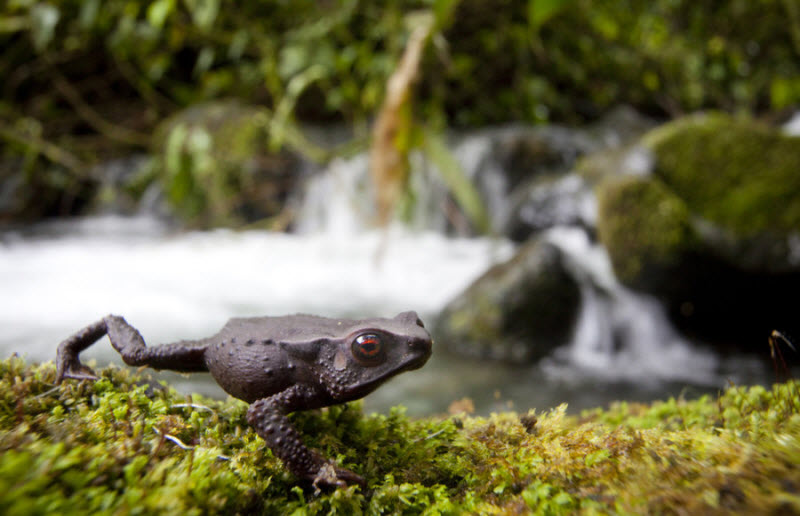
(248, 359)
(288, 328)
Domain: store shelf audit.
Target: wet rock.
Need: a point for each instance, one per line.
(714, 229)
(645, 227)
(517, 311)
(563, 200)
(741, 179)
(620, 151)
(632, 159)
(525, 173)
(508, 164)
(733, 172)
(619, 127)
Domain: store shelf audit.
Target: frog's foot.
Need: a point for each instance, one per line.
(68, 364)
(75, 371)
(330, 475)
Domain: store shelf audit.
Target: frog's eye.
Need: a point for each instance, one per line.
(368, 349)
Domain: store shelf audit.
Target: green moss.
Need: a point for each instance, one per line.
(641, 222)
(732, 171)
(103, 447)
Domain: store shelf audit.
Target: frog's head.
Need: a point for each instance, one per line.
(374, 350)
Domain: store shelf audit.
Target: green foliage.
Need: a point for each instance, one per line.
(660, 56)
(86, 80)
(112, 447)
(667, 55)
(539, 11)
(221, 164)
(456, 179)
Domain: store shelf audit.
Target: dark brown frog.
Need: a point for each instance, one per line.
(278, 365)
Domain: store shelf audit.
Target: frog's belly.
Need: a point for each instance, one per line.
(248, 371)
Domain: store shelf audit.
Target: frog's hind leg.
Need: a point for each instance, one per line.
(68, 365)
(184, 356)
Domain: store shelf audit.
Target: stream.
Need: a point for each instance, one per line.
(59, 276)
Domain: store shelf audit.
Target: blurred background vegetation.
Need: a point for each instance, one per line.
(86, 81)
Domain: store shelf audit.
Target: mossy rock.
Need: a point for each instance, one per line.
(122, 445)
(733, 172)
(217, 168)
(517, 311)
(712, 230)
(645, 226)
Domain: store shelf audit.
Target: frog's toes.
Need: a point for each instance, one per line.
(350, 478)
(331, 476)
(76, 372)
(326, 477)
(81, 376)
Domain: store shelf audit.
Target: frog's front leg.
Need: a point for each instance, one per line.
(268, 417)
(184, 356)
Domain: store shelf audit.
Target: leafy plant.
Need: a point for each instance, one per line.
(95, 78)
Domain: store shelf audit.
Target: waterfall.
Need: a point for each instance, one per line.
(337, 200)
(621, 334)
(185, 285)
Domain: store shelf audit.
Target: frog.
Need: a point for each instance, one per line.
(279, 365)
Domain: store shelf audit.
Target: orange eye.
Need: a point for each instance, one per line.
(368, 348)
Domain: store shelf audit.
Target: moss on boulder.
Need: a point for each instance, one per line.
(122, 446)
(645, 226)
(733, 172)
(722, 186)
(713, 230)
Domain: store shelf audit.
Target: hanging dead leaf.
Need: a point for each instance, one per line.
(391, 136)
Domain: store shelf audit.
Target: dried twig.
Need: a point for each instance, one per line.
(49, 150)
(192, 405)
(92, 117)
(389, 154)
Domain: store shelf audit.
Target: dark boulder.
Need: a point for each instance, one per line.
(713, 229)
(517, 311)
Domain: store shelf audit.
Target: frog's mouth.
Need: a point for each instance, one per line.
(413, 360)
(419, 351)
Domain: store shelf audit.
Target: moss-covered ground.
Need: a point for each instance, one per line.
(121, 446)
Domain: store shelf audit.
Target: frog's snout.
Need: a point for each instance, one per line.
(420, 349)
(420, 345)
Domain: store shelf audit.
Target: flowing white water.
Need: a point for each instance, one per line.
(187, 285)
(792, 127)
(621, 334)
(60, 277)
